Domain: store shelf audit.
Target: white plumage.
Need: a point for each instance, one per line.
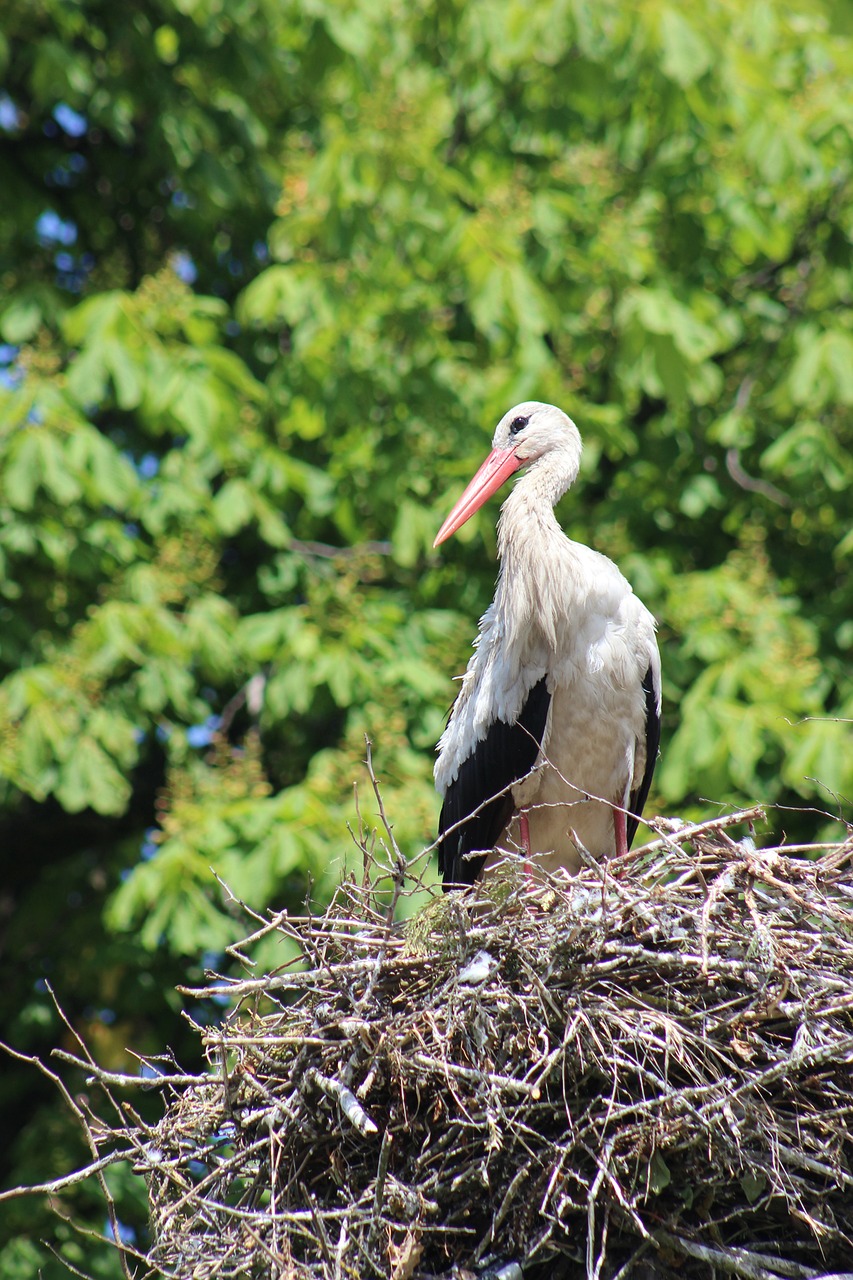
(554, 734)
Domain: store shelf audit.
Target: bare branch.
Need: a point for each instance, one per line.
(376, 1109)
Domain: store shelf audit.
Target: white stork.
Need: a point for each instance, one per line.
(553, 738)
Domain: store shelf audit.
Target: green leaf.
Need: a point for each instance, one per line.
(686, 55)
(22, 472)
(59, 73)
(195, 403)
(21, 320)
(700, 494)
(56, 477)
(263, 635)
(95, 318)
(167, 44)
(233, 506)
(88, 778)
(838, 358)
(659, 1176)
(124, 372)
(279, 293)
(414, 531)
(818, 752)
(754, 1185)
(87, 378)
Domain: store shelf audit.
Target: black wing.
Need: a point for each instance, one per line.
(637, 798)
(478, 804)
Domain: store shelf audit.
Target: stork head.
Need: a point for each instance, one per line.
(532, 435)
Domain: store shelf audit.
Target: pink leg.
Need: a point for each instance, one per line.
(524, 832)
(620, 828)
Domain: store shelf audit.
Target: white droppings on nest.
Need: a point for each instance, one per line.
(478, 970)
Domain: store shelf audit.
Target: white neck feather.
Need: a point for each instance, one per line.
(531, 594)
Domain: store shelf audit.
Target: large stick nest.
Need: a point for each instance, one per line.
(642, 1071)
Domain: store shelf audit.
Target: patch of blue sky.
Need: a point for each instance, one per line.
(120, 1231)
(150, 848)
(72, 271)
(69, 120)
(201, 735)
(148, 466)
(150, 1070)
(11, 375)
(66, 173)
(10, 117)
(183, 266)
(51, 229)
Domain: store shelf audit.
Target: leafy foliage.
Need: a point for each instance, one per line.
(271, 271)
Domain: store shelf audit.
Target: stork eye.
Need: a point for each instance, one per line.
(517, 424)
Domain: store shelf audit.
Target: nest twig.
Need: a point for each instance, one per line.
(645, 1067)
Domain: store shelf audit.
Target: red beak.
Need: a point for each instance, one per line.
(498, 467)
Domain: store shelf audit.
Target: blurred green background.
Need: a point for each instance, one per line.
(271, 271)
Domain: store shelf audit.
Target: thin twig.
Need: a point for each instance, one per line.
(686, 1029)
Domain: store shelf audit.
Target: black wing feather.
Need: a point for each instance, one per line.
(638, 797)
(478, 804)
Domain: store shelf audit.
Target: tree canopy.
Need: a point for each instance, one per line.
(271, 272)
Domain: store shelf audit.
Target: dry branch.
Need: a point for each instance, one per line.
(646, 1075)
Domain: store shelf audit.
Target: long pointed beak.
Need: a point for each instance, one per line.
(498, 467)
